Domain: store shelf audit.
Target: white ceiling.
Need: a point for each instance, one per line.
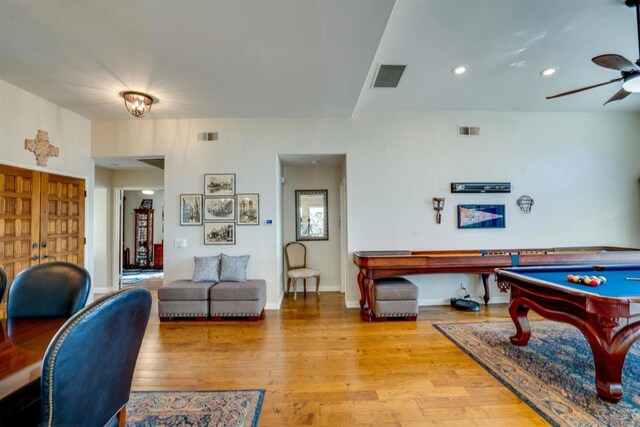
(310, 160)
(121, 163)
(504, 44)
(313, 58)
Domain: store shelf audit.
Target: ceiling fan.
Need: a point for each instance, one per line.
(630, 71)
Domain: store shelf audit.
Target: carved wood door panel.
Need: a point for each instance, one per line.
(41, 219)
(19, 219)
(62, 219)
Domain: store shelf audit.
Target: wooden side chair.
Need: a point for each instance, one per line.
(296, 254)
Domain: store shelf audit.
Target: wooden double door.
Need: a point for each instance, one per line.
(41, 219)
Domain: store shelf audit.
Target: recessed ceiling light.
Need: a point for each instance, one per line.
(460, 69)
(148, 192)
(315, 162)
(114, 165)
(549, 71)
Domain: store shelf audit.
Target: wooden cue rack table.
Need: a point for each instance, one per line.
(373, 265)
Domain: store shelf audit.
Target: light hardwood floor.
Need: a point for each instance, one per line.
(321, 365)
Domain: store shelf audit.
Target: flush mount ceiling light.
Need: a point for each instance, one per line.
(548, 71)
(460, 69)
(148, 192)
(138, 103)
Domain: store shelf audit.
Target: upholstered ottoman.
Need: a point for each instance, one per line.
(395, 297)
(184, 298)
(238, 299)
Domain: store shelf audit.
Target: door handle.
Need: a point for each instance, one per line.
(35, 257)
(45, 256)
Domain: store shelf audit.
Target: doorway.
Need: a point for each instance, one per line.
(134, 214)
(316, 173)
(142, 225)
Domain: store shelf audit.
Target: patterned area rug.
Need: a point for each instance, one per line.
(134, 276)
(223, 408)
(553, 373)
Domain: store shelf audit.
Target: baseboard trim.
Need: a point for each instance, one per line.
(436, 301)
(323, 288)
(275, 305)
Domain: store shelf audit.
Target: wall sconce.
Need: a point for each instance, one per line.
(525, 203)
(438, 206)
(138, 103)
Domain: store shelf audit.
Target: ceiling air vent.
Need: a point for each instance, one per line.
(468, 131)
(207, 136)
(158, 162)
(388, 75)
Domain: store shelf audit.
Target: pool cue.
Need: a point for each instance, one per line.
(632, 278)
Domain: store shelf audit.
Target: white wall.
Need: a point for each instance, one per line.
(103, 230)
(21, 115)
(101, 239)
(581, 169)
(139, 178)
(322, 255)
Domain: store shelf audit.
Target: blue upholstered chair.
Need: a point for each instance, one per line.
(3, 283)
(88, 367)
(54, 289)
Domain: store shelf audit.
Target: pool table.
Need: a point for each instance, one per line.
(608, 315)
(377, 264)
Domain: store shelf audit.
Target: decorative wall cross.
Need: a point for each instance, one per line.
(41, 147)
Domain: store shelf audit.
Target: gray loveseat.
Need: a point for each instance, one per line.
(203, 300)
(219, 289)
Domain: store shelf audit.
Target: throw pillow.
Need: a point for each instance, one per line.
(207, 269)
(233, 268)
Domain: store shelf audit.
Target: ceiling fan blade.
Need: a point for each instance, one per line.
(615, 62)
(583, 88)
(621, 94)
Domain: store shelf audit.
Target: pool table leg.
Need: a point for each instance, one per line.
(609, 351)
(518, 312)
(485, 282)
(608, 377)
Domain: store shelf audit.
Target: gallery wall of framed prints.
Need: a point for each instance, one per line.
(220, 209)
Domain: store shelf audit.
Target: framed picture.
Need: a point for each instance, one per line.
(219, 233)
(146, 204)
(219, 208)
(481, 216)
(249, 209)
(191, 209)
(220, 184)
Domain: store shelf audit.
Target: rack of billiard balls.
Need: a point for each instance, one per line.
(587, 280)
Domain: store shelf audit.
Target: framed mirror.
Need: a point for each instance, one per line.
(312, 215)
